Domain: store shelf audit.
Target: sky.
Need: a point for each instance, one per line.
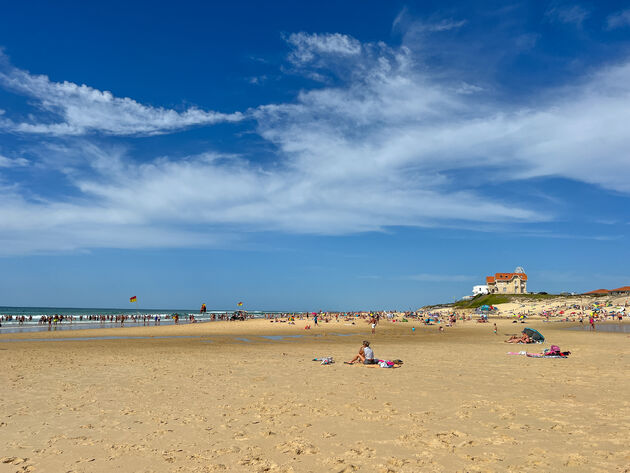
(310, 155)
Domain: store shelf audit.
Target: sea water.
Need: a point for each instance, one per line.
(605, 327)
(36, 313)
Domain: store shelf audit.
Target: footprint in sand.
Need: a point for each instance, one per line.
(297, 447)
(339, 465)
(13, 460)
(575, 459)
(257, 463)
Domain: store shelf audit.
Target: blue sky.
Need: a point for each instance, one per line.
(332, 155)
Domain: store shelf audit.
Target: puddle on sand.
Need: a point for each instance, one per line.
(344, 334)
(618, 328)
(243, 339)
(278, 338)
(84, 339)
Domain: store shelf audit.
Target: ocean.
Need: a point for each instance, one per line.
(81, 316)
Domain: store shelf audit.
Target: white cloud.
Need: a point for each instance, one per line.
(618, 20)
(396, 123)
(466, 88)
(410, 25)
(376, 151)
(442, 25)
(573, 14)
(180, 202)
(307, 47)
(83, 109)
(12, 162)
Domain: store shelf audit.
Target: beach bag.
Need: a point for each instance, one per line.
(386, 364)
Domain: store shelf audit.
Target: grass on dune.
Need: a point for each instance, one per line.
(493, 299)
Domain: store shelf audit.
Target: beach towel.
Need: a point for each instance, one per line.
(327, 360)
(555, 355)
(563, 354)
(389, 363)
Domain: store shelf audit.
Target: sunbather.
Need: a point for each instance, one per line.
(523, 338)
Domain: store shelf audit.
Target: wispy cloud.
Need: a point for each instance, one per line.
(80, 109)
(12, 162)
(307, 47)
(442, 25)
(374, 151)
(526, 41)
(618, 20)
(406, 22)
(572, 14)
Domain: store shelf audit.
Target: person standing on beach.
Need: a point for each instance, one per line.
(495, 328)
(315, 319)
(591, 321)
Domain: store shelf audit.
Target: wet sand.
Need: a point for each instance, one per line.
(210, 402)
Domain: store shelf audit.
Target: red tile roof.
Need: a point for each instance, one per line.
(505, 277)
(598, 291)
(510, 276)
(621, 289)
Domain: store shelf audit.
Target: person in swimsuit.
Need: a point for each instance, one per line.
(365, 355)
(524, 338)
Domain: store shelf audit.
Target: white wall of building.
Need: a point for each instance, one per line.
(481, 289)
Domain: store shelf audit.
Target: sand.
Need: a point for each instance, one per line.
(214, 403)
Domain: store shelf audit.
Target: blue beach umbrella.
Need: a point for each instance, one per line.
(534, 334)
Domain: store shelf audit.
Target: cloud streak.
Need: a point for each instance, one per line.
(306, 47)
(12, 162)
(570, 14)
(618, 20)
(82, 109)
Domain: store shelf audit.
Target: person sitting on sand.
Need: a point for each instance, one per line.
(524, 338)
(365, 355)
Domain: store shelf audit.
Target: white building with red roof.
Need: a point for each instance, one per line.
(508, 283)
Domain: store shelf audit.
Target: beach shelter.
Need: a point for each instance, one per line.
(534, 334)
(485, 307)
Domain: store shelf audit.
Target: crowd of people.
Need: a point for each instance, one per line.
(442, 317)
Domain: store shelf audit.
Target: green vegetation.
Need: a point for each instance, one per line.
(493, 299)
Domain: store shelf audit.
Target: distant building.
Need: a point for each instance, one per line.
(508, 283)
(618, 291)
(481, 289)
(596, 292)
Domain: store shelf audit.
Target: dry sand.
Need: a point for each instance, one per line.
(213, 403)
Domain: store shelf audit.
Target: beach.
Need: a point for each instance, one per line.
(221, 397)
